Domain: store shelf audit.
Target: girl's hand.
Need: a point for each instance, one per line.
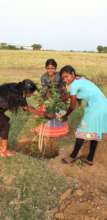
(64, 118)
(49, 116)
(33, 111)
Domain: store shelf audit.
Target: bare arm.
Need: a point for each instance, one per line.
(72, 106)
(33, 110)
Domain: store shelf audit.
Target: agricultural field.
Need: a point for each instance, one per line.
(37, 188)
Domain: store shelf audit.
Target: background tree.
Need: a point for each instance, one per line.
(21, 48)
(36, 46)
(8, 46)
(100, 48)
(12, 47)
(3, 45)
(105, 49)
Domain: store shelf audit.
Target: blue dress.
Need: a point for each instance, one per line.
(93, 125)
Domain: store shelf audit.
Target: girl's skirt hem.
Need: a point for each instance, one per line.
(91, 136)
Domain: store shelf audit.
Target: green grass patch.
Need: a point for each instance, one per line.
(28, 190)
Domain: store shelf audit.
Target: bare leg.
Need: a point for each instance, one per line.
(3, 149)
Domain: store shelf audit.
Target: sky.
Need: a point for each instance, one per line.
(57, 24)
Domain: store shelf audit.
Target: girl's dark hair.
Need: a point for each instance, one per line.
(27, 86)
(51, 62)
(12, 93)
(68, 69)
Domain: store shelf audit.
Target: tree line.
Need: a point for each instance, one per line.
(102, 49)
(34, 46)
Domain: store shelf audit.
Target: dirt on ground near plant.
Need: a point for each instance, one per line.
(86, 198)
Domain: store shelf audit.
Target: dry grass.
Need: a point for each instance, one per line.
(17, 65)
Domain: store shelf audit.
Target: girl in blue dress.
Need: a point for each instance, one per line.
(93, 126)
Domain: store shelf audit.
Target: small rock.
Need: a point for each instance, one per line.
(59, 216)
(79, 192)
(98, 207)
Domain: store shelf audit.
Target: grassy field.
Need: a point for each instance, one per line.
(17, 65)
(28, 190)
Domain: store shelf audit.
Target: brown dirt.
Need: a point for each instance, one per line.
(86, 198)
